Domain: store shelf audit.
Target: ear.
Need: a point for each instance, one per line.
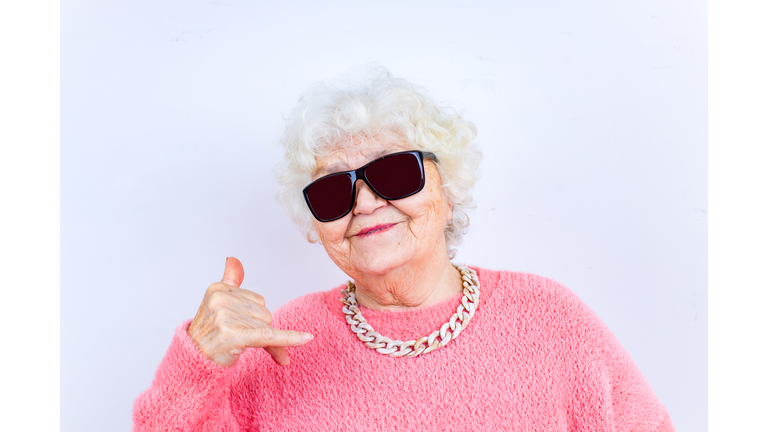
(313, 234)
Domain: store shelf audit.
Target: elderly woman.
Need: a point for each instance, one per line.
(381, 176)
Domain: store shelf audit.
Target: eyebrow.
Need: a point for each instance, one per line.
(339, 167)
(329, 169)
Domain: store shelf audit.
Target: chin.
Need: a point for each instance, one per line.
(381, 262)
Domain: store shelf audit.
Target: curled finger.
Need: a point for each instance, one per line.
(279, 355)
(252, 296)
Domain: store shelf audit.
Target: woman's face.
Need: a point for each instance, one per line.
(378, 236)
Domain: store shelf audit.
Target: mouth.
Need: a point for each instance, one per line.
(375, 229)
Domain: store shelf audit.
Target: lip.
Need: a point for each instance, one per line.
(375, 229)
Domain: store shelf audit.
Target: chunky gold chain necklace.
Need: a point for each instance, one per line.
(437, 339)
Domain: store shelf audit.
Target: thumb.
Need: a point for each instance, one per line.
(233, 272)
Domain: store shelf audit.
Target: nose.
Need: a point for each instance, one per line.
(366, 202)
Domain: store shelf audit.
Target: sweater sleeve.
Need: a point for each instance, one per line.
(633, 404)
(189, 392)
(610, 392)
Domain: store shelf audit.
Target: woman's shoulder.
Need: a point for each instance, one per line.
(530, 293)
(543, 308)
(515, 284)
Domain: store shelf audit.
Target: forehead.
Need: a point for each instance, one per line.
(356, 154)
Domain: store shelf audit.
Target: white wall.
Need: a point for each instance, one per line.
(591, 116)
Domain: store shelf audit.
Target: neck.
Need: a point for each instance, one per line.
(411, 286)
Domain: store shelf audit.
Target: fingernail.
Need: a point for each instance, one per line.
(307, 336)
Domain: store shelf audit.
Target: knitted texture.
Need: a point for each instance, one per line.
(533, 358)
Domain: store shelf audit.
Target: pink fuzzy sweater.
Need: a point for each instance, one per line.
(533, 358)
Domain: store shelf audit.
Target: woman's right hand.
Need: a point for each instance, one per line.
(231, 319)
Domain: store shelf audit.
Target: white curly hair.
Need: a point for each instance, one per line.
(372, 103)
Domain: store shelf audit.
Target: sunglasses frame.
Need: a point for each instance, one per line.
(359, 174)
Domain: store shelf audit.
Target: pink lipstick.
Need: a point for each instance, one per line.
(375, 229)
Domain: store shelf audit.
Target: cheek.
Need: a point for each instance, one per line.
(431, 213)
(438, 205)
(331, 233)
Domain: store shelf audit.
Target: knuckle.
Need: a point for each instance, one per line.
(220, 315)
(268, 334)
(253, 296)
(226, 330)
(217, 299)
(264, 315)
(220, 287)
(214, 287)
(259, 298)
(222, 329)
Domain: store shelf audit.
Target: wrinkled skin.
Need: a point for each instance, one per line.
(406, 264)
(402, 264)
(231, 319)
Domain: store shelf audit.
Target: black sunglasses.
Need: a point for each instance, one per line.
(392, 177)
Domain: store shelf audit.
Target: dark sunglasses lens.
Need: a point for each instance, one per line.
(396, 176)
(330, 197)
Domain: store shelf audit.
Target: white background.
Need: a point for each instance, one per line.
(592, 118)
